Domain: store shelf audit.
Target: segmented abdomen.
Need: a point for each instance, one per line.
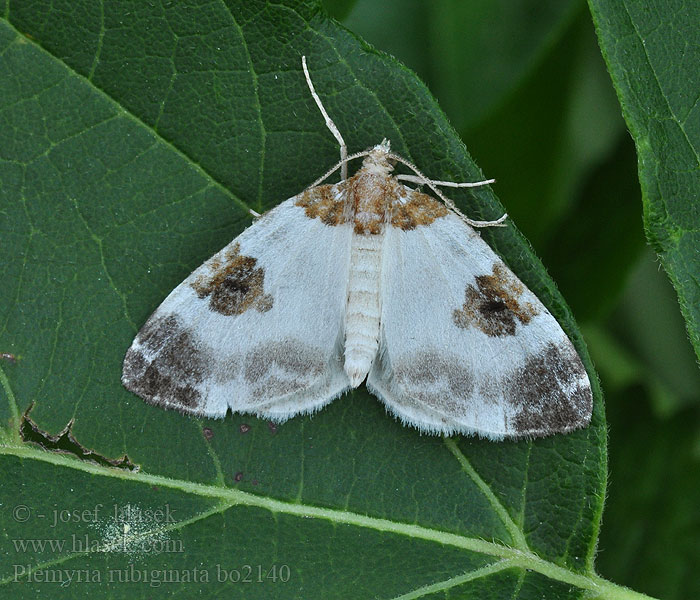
(363, 305)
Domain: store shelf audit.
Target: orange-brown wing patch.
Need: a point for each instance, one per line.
(234, 284)
(419, 209)
(320, 202)
(494, 304)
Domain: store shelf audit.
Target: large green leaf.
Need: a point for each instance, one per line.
(652, 48)
(133, 139)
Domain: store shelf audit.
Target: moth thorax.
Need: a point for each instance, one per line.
(372, 196)
(363, 306)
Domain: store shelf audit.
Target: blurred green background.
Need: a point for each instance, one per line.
(525, 85)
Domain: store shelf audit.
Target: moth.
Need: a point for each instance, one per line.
(367, 279)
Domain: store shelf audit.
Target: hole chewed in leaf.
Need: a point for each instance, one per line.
(64, 442)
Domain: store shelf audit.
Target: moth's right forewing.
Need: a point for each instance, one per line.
(465, 347)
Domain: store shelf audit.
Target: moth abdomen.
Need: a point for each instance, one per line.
(363, 306)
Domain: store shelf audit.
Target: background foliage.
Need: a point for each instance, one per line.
(133, 135)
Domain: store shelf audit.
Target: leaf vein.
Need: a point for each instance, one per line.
(515, 532)
(137, 120)
(100, 40)
(453, 582)
(113, 285)
(258, 105)
(232, 497)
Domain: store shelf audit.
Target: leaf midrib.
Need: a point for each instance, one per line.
(229, 498)
(516, 533)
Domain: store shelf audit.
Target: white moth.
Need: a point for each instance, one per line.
(366, 279)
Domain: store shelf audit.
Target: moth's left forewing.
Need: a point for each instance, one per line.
(256, 328)
(465, 346)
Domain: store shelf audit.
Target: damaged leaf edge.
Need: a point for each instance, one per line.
(64, 442)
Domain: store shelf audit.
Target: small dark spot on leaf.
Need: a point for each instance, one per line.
(238, 476)
(8, 357)
(244, 428)
(208, 433)
(272, 427)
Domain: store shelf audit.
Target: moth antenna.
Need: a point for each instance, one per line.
(451, 205)
(329, 123)
(454, 184)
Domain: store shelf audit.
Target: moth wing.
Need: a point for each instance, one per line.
(257, 328)
(464, 345)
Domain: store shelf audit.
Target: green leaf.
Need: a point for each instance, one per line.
(134, 138)
(652, 51)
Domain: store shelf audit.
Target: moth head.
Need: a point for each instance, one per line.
(378, 160)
